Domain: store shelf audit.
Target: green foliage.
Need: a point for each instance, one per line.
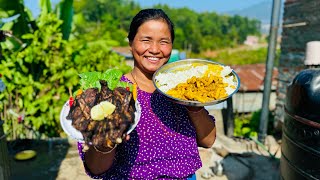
(242, 57)
(36, 76)
(20, 21)
(248, 126)
(111, 76)
(242, 127)
(39, 77)
(99, 17)
(197, 31)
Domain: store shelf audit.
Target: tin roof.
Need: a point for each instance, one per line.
(252, 77)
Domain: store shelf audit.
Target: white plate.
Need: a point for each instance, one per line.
(176, 66)
(66, 124)
(75, 134)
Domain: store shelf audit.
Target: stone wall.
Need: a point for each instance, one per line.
(301, 24)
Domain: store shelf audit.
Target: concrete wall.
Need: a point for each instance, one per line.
(246, 102)
(301, 24)
(251, 101)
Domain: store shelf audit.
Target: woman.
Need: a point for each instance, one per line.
(164, 144)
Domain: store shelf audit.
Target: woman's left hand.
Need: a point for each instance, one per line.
(194, 108)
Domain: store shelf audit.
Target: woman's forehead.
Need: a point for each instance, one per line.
(154, 26)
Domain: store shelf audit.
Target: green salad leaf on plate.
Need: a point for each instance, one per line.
(111, 76)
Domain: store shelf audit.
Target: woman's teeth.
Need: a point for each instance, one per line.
(153, 58)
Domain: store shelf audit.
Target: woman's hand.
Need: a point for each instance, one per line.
(194, 108)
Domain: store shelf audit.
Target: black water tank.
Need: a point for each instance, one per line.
(300, 157)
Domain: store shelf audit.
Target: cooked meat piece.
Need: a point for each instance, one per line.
(111, 129)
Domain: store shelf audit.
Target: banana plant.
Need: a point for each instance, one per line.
(18, 19)
(64, 11)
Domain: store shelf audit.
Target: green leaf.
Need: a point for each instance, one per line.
(112, 76)
(66, 14)
(246, 130)
(90, 80)
(45, 6)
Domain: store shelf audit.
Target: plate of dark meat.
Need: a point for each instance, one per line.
(100, 115)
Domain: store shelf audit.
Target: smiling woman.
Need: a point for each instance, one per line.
(164, 143)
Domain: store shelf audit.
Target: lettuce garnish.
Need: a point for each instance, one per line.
(111, 76)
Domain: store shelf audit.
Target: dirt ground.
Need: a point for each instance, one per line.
(240, 159)
(58, 159)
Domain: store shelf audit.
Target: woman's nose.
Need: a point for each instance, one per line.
(154, 47)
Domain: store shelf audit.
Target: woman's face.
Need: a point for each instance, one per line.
(152, 45)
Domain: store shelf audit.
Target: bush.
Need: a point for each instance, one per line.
(40, 77)
(248, 126)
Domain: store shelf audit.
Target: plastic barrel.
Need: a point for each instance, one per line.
(300, 146)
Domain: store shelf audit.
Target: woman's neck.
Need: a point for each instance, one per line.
(143, 80)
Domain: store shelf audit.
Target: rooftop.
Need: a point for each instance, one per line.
(252, 77)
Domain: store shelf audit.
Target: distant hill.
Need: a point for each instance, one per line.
(261, 11)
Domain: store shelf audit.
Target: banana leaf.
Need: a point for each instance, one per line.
(45, 6)
(65, 13)
(9, 8)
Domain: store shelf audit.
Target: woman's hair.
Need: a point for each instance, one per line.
(146, 15)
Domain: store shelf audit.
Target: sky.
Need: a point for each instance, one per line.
(219, 6)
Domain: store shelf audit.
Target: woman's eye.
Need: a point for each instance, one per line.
(164, 42)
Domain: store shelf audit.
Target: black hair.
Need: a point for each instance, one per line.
(146, 15)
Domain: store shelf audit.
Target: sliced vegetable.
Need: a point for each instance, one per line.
(97, 113)
(134, 91)
(107, 107)
(102, 110)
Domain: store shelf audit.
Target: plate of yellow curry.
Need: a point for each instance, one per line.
(196, 82)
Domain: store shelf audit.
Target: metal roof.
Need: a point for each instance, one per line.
(252, 77)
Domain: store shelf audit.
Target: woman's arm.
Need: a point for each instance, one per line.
(204, 125)
(99, 160)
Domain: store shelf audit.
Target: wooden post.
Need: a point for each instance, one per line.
(4, 159)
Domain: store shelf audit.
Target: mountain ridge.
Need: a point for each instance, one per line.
(261, 11)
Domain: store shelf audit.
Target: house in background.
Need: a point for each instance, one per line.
(251, 41)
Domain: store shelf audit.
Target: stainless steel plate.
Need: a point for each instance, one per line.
(176, 66)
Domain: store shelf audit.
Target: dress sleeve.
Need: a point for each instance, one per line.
(81, 154)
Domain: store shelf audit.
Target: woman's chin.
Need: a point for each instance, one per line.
(152, 67)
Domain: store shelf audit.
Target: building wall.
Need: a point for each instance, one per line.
(246, 102)
(301, 24)
(251, 101)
